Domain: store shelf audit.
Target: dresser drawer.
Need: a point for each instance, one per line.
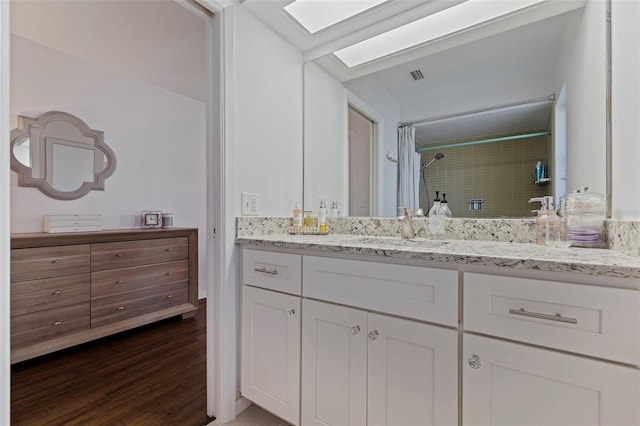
(598, 321)
(46, 262)
(273, 271)
(46, 325)
(107, 310)
(49, 293)
(116, 281)
(132, 253)
(425, 294)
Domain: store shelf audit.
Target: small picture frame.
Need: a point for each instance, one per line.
(151, 219)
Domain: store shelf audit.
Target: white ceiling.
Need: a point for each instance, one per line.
(141, 39)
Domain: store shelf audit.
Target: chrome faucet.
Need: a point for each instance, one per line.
(407, 231)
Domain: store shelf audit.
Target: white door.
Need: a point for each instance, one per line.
(413, 373)
(516, 385)
(271, 351)
(334, 365)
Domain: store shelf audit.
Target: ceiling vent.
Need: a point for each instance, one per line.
(417, 75)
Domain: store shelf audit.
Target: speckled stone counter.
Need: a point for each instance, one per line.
(599, 262)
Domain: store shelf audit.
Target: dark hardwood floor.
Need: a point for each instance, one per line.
(153, 375)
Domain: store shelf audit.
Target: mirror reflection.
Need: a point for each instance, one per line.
(60, 155)
(512, 107)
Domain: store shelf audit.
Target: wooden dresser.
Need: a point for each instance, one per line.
(68, 289)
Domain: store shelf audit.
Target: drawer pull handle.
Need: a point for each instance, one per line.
(57, 261)
(57, 323)
(169, 273)
(57, 292)
(355, 330)
(169, 296)
(474, 362)
(120, 308)
(556, 317)
(169, 249)
(119, 281)
(291, 312)
(373, 335)
(119, 255)
(267, 271)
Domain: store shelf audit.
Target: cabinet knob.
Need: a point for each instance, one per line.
(169, 249)
(120, 308)
(119, 255)
(57, 323)
(57, 292)
(169, 296)
(291, 312)
(373, 335)
(355, 330)
(474, 362)
(169, 273)
(57, 261)
(119, 281)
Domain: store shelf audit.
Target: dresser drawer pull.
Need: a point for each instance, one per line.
(169, 273)
(556, 317)
(120, 308)
(120, 282)
(57, 292)
(57, 261)
(119, 255)
(267, 271)
(169, 296)
(169, 249)
(57, 323)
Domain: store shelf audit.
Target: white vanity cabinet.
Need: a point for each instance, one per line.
(270, 365)
(507, 383)
(365, 368)
(512, 384)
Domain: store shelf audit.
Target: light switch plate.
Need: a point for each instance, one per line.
(249, 204)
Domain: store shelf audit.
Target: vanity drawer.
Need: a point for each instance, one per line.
(46, 325)
(49, 293)
(132, 253)
(45, 262)
(116, 281)
(598, 321)
(426, 294)
(107, 310)
(273, 271)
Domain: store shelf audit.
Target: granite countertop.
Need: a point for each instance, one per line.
(601, 262)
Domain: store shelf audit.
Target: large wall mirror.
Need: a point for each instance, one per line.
(60, 155)
(488, 104)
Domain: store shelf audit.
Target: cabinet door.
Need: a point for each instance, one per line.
(334, 365)
(413, 373)
(512, 384)
(271, 351)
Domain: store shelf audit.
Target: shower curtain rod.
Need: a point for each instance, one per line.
(549, 98)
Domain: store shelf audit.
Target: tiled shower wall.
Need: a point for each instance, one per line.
(499, 173)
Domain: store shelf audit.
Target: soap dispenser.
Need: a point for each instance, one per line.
(550, 228)
(436, 218)
(445, 206)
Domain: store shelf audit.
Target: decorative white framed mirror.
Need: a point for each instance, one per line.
(60, 155)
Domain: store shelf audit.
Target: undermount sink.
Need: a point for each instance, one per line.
(397, 241)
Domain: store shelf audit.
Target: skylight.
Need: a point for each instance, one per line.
(316, 15)
(448, 21)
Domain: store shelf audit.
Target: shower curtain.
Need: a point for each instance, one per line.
(408, 168)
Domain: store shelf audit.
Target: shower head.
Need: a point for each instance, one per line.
(438, 156)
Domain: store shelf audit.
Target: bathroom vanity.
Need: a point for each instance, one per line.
(71, 288)
(356, 330)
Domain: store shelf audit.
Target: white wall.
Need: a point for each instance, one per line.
(326, 155)
(267, 102)
(586, 108)
(158, 137)
(626, 109)
(388, 108)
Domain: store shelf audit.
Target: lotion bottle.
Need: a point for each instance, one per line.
(322, 218)
(297, 215)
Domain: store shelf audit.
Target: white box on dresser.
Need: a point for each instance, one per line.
(72, 223)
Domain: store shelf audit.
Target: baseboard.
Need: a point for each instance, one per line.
(242, 404)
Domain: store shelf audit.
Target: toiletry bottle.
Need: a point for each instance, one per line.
(322, 218)
(550, 228)
(436, 218)
(334, 208)
(445, 206)
(297, 215)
